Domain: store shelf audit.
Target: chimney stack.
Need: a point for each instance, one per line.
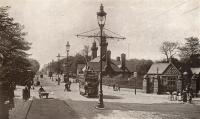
(123, 61)
(94, 49)
(108, 57)
(118, 58)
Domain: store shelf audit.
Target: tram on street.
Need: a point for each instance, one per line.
(88, 84)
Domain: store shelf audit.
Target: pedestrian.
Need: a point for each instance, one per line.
(26, 93)
(190, 94)
(113, 87)
(118, 88)
(179, 95)
(66, 87)
(184, 95)
(59, 80)
(70, 85)
(28, 85)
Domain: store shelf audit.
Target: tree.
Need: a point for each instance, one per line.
(35, 65)
(190, 48)
(13, 47)
(85, 53)
(169, 49)
(86, 50)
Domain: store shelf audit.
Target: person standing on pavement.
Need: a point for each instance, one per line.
(190, 94)
(59, 80)
(69, 85)
(25, 93)
(66, 87)
(113, 87)
(184, 94)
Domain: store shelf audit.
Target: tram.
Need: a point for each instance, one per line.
(88, 84)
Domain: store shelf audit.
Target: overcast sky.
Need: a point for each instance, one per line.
(144, 23)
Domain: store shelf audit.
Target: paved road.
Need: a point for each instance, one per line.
(51, 109)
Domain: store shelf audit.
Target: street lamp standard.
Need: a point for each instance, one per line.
(101, 17)
(66, 66)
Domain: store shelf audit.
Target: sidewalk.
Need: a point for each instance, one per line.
(21, 107)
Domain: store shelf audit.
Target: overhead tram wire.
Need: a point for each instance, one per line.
(115, 33)
(165, 12)
(191, 10)
(98, 36)
(88, 31)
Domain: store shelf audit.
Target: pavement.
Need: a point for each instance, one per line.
(123, 104)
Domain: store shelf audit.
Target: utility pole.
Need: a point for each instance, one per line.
(135, 76)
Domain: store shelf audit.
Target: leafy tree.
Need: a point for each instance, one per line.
(35, 65)
(86, 50)
(13, 47)
(191, 47)
(169, 49)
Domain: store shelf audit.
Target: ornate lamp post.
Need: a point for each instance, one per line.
(66, 63)
(101, 17)
(58, 64)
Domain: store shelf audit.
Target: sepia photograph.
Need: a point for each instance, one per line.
(99, 59)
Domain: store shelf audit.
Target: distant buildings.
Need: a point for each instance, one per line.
(110, 67)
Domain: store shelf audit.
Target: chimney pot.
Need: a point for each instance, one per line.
(118, 58)
(123, 61)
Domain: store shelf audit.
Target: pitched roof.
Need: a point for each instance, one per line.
(97, 59)
(195, 70)
(129, 65)
(158, 68)
(80, 66)
(95, 65)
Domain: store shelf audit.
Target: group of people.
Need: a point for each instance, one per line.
(186, 95)
(116, 87)
(67, 86)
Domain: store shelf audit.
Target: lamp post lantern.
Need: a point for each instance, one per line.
(101, 17)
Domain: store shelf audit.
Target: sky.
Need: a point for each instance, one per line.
(144, 23)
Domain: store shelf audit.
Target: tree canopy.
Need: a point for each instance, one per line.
(13, 47)
(191, 47)
(169, 49)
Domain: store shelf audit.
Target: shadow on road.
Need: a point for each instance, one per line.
(111, 97)
(88, 110)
